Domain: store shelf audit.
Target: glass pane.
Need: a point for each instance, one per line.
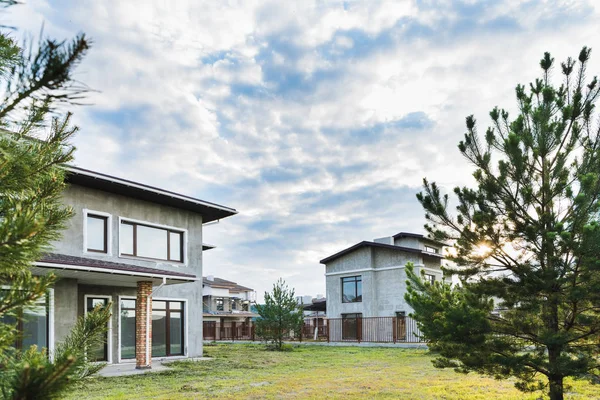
(159, 333)
(96, 229)
(35, 327)
(93, 302)
(127, 303)
(126, 239)
(175, 305)
(348, 294)
(175, 246)
(128, 333)
(151, 242)
(358, 291)
(159, 305)
(100, 351)
(176, 333)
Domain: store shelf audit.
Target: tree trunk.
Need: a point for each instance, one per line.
(556, 388)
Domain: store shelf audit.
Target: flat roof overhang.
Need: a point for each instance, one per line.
(108, 277)
(380, 246)
(95, 180)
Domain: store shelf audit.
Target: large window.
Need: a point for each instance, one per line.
(31, 324)
(167, 328)
(352, 289)
(97, 233)
(220, 304)
(151, 242)
(100, 351)
(127, 328)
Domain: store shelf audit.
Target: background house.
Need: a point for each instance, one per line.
(315, 317)
(369, 280)
(226, 309)
(136, 249)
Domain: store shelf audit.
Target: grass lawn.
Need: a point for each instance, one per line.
(245, 371)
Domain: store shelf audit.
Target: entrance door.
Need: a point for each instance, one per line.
(401, 325)
(98, 352)
(351, 326)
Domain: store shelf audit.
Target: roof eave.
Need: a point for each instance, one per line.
(209, 211)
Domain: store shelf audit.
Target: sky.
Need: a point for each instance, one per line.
(316, 120)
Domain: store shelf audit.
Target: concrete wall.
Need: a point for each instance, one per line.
(65, 311)
(72, 243)
(411, 242)
(383, 280)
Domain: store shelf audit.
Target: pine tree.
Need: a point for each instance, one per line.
(526, 241)
(34, 147)
(279, 315)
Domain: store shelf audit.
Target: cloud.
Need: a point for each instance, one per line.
(316, 119)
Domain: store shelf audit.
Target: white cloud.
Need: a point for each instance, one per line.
(286, 110)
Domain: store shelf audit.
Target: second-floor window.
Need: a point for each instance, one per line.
(430, 278)
(146, 241)
(233, 305)
(430, 249)
(220, 305)
(352, 289)
(97, 233)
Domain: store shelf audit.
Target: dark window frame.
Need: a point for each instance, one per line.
(168, 312)
(105, 219)
(356, 279)
(134, 309)
(220, 303)
(134, 226)
(88, 309)
(430, 278)
(430, 249)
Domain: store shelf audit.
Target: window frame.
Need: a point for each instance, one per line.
(119, 326)
(167, 228)
(107, 231)
(430, 249)
(108, 343)
(357, 278)
(429, 278)
(168, 312)
(222, 301)
(49, 303)
(185, 328)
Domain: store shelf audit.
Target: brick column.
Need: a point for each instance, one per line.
(143, 330)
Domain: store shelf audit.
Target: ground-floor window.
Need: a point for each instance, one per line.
(167, 328)
(32, 325)
(100, 351)
(127, 326)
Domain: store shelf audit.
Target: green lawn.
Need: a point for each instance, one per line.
(244, 371)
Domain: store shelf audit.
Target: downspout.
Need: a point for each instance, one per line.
(149, 320)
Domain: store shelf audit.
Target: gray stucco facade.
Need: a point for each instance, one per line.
(381, 268)
(75, 282)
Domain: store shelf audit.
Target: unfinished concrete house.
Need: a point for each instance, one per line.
(366, 284)
(138, 250)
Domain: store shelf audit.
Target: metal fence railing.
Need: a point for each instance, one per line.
(213, 330)
(374, 330)
(355, 329)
